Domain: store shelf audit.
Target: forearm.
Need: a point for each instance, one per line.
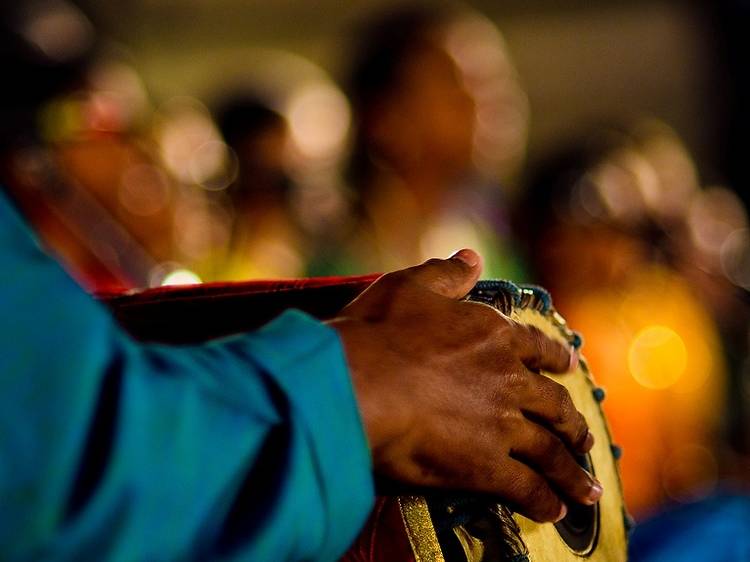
(250, 447)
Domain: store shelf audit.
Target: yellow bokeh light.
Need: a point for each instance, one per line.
(181, 277)
(657, 357)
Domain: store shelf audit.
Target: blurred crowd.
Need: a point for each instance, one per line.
(416, 150)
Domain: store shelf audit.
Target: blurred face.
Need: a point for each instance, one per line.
(578, 258)
(264, 161)
(429, 120)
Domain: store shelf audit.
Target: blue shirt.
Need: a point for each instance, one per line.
(246, 448)
(714, 529)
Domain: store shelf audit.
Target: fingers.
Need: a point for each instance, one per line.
(550, 403)
(539, 352)
(452, 278)
(528, 493)
(546, 454)
(486, 470)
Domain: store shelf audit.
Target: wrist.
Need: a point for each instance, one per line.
(380, 414)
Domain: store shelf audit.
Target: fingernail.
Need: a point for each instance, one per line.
(588, 442)
(574, 359)
(469, 257)
(596, 492)
(562, 514)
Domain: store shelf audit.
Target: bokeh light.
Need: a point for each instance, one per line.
(502, 108)
(118, 98)
(144, 190)
(319, 119)
(735, 257)
(657, 357)
(58, 29)
(621, 183)
(181, 277)
(213, 165)
(674, 167)
(191, 146)
(714, 215)
(172, 273)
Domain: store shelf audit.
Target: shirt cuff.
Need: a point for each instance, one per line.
(306, 359)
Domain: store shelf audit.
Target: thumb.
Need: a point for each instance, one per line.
(453, 277)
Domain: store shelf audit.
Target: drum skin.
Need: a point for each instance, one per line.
(543, 540)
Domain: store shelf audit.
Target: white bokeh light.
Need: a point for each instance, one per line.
(319, 119)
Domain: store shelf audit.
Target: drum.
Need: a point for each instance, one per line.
(428, 526)
(444, 527)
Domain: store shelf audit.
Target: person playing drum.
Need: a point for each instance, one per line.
(259, 446)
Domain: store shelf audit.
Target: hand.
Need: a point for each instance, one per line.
(451, 396)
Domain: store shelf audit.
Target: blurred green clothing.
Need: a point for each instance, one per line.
(390, 228)
(246, 448)
(359, 253)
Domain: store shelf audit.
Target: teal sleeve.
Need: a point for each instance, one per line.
(246, 448)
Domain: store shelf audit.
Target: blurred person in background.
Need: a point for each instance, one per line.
(649, 337)
(114, 449)
(617, 205)
(117, 191)
(38, 159)
(704, 235)
(438, 116)
(267, 159)
(85, 173)
(267, 239)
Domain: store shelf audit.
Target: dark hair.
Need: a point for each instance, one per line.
(243, 115)
(550, 185)
(33, 75)
(381, 46)
(552, 191)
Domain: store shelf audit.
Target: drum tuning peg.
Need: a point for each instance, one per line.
(616, 451)
(577, 340)
(599, 394)
(628, 521)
